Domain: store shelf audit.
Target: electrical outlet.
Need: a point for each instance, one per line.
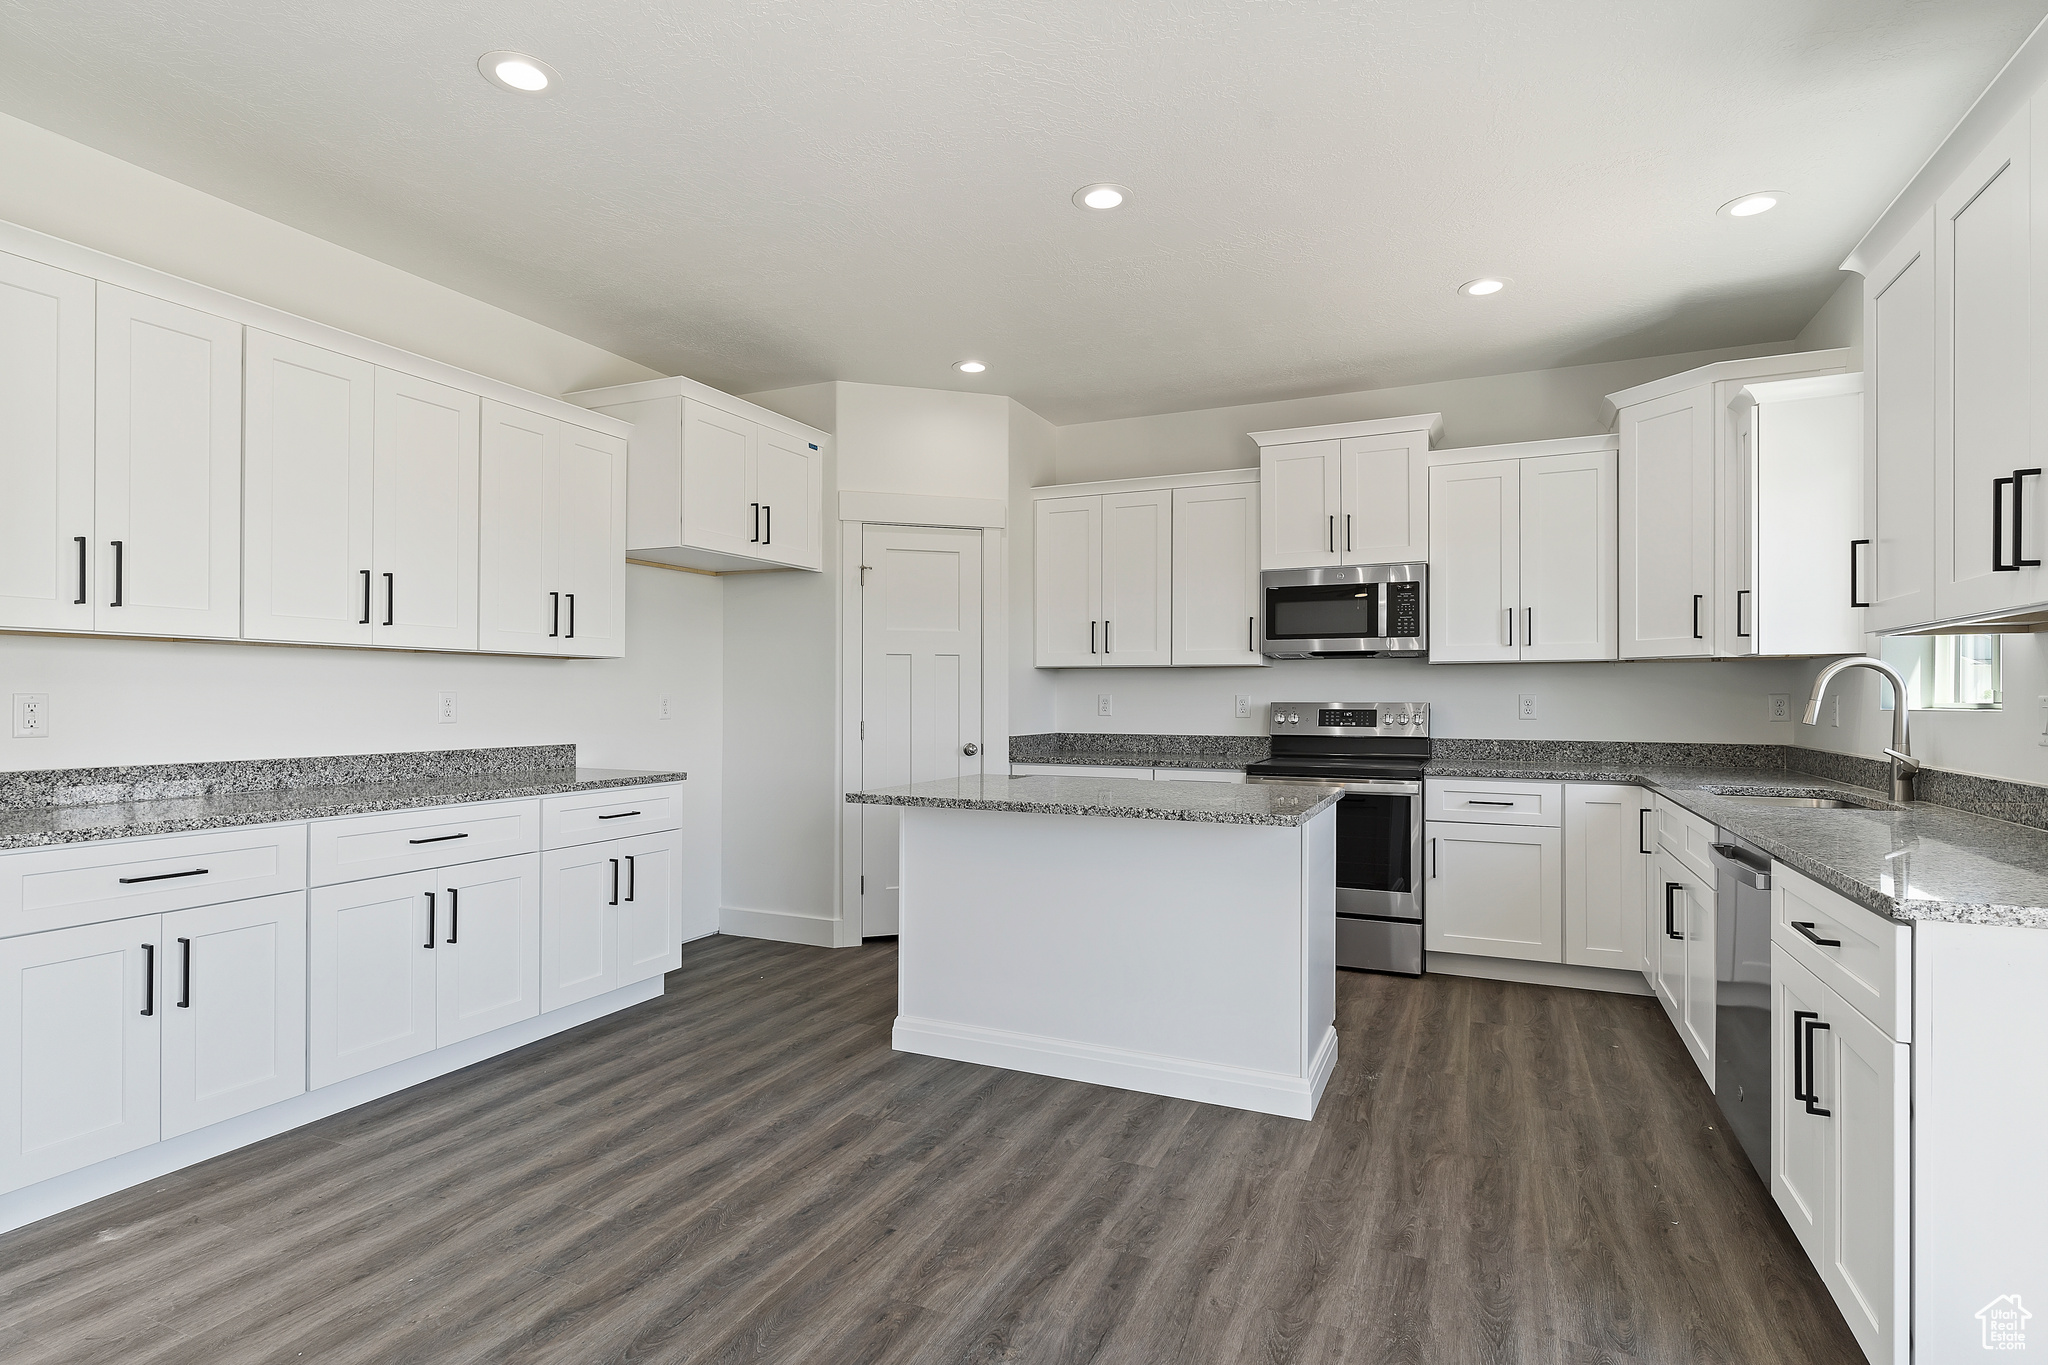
(2043, 740)
(665, 709)
(1102, 706)
(1525, 706)
(31, 715)
(1781, 706)
(445, 713)
(1244, 706)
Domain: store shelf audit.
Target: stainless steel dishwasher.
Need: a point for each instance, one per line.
(1742, 994)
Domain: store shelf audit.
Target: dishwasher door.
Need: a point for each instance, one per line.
(1742, 994)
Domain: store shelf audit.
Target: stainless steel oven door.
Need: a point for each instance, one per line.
(1379, 847)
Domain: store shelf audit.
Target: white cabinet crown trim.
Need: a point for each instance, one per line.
(681, 386)
(1431, 422)
(1750, 367)
(1212, 479)
(1522, 450)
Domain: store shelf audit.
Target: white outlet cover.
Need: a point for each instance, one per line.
(665, 709)
(1103, 706)
(1525, 706)
(444, 713)
(1244, 705)
(31, 715)
(1781, 706)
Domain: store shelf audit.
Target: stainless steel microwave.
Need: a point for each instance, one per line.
(1355, 609)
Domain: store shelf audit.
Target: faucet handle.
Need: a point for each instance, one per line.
(1911, 764)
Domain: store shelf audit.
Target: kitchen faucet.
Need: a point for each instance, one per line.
(1904, 765)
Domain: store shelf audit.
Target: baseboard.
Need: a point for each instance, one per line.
(781, 926)
(33, 1202)
(1264, 1092)
(1611, 979)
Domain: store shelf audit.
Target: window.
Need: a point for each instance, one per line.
(1947, 672)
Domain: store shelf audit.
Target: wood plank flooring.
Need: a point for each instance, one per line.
(744, 1171)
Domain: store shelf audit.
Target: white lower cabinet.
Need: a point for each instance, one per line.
(607, 916)
(1494, 891)
(1684, 924)
(487, 963)
(80, 1022)
(234, 1012)
(1606, 855)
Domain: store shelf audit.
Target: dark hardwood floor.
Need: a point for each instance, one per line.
(744, 1170)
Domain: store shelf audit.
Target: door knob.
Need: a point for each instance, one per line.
(970, 749)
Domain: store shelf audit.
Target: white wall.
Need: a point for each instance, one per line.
(1838, 323)
(1034, 452)
(931, 441)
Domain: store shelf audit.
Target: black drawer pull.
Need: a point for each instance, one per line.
(185, 974)
(437, 839)
(618, 815)
(149, 978)
(1471, 801)
(1806, 927)
(163, 876)
(1642, 830)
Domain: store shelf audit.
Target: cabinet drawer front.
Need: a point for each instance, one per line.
(411, 840)
(1863, 956)
(614, 813)
(1486, 802)
(54, 888)
(1686, 837)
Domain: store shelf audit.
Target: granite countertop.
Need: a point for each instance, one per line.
(41, 826)
(1127, 798)
(1907, 863)
(1215, 759)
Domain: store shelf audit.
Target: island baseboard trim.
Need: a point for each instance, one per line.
(1264, 1092)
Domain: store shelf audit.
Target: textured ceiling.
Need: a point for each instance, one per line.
(766, 193)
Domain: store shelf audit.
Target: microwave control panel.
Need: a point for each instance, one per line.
(1404, 611)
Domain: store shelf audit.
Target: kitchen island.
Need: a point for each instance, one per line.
(1166, 937)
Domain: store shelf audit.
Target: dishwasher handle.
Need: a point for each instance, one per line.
(1732, 860)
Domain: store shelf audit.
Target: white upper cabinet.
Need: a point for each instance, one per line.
(1524, 552)
(308, 435)
(46, 457)
(1137, 579)
(1216, 575)
(424, 560)
(167, 468)
(1066, 582)
(1896, 573)
(551, 536)
(1988, 529)
(1797, 547)
(718, 483)
(1352, 493)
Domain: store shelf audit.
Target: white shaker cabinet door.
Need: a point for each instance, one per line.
(1896, 574)
(588, 531)
(1494, 891)
(721, 510)
(1475, 579)
(650, 909)
(519, 604)
(167, 468)
(1799, 1137)
(1864, 1081)
(789, 480)
(80, 1016)
(46, 459)
(1603, 876)
(1384, 482)
(1066, 567)
(1298, 505)
(1667, 526)
(487, 964)
(306, 470)
(370, 974)
(1568, 557)
(1695, 918)
(425, 561)
(234, 1016)
(579, 941)
(1216, 575)
(1137, 579)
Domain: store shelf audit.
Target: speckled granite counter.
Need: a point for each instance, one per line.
(79, 805)
(1126, 798)
(1918, 862)
(1218, 752)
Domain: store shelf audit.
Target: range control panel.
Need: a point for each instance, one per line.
(1356, 718)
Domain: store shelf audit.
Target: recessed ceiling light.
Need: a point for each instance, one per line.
(1481, 287)
(969, 366)
(517, 72)
(1750, 205)
(1100, 196)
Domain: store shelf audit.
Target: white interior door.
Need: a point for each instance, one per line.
(487, 968)
(1216, 575)
(787, 479)
(46, 398)
(1066, 569)
(920, 684)
(1385, 493)
(80, 1016)
(1568, 556)
(1137, 579)
(1475, 580)
(720, 509)
(425, 585)
(1667, 526)
(519, 604)
(589, 552)
(306, 471)
(234, 1009)
(1897, 577)
(168, 468)
(1298, 505)
(370, 974)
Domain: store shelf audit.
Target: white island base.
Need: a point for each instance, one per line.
(1185, 958)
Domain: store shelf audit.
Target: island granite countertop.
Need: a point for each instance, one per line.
(1125, 798)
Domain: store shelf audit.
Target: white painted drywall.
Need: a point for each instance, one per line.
(930, 441)
(1838, 323)
(1034, 451)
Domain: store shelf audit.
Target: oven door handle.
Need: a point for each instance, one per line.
(1364, 788)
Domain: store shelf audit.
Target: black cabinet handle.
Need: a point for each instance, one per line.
(1333, 533)
(1696, 599)
(390, 599)
(572, 616)
(618, 815)
(185, 974)
(149, 978)
(1799, 1018)
(1741, 593)
(1998, 564)
(1091, 637)
(1250, 624)
(454, 914)
(430, 920)
(757, 524)
(1813, 1026)
(1105, 635)
(768, 520)
(1347, 532)
(1806, 927)
(632, 878)
(437, 839)
(118, 557)
(1669, 911)
(2019, 520)
(1643, 830)
(555, 606)
(162, 876)
(1854, 595)
(1475, 801)
(79, 601)
(366, 599)
(615, 881)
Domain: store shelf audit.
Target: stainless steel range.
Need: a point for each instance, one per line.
(1374, 751)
